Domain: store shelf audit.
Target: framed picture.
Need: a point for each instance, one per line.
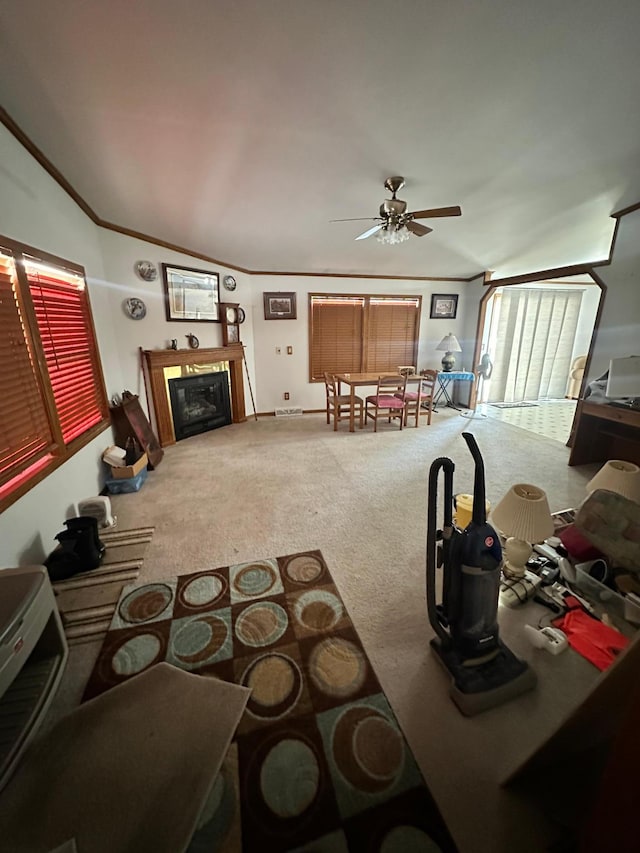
(279, 306)
(444, 306)
(191, 294)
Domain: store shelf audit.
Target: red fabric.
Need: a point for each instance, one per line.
(386, 402)
(578, 545)
(594, 640)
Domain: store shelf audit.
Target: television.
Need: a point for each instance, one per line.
(623, 381)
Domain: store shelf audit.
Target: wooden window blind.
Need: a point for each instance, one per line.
(25, 435)
(66, 333)
(53, 395)
(357, 333)
(393, 333)
(336, 335)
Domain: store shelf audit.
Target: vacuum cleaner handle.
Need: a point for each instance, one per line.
(448, 466)
(479, 514)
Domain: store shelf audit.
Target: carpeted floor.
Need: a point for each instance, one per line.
(320, 758)
(285, 485)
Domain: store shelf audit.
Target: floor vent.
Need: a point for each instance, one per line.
(288, 412)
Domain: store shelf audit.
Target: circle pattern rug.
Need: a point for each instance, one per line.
(320, 762)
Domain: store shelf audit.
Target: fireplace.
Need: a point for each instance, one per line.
(200, 403)
(156, 361)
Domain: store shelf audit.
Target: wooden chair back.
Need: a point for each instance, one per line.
(423, 402)
(388, 401)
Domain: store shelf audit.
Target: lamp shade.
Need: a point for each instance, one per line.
(618, 476)
(523, 513)
(449, 344)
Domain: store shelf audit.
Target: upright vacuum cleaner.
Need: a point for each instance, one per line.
(484, 672)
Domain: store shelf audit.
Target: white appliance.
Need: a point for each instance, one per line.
(99, 508)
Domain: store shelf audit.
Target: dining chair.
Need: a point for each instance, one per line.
(388, 401)
(339, 405)
(420, 402)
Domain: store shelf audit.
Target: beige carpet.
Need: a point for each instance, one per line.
(128, 771)
(277, 486)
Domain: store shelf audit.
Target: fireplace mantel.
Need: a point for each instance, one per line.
(157, 360)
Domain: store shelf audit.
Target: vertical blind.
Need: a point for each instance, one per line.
(52, 388)
(353, 334)
(536, 330)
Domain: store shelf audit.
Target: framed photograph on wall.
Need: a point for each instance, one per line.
(191, 294)
(279, 306)
(444, 306)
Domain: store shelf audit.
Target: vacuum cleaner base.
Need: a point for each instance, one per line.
(478, 688)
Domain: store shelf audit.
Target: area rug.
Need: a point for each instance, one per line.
(318, 761)
(513, 405)
(86, 601)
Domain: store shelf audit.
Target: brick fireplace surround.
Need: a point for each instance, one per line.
(155, 362)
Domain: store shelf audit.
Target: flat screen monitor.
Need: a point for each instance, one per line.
(624, 378)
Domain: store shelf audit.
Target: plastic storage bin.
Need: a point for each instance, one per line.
(124, 486)
(624, 614)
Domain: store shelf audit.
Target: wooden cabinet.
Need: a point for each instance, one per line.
(604, 432)
(129, 420)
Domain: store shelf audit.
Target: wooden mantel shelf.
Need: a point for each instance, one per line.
(155, 363)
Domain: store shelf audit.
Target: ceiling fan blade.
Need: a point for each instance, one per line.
(435, 211)
(359, 219)
(370, 232)
(417, 229)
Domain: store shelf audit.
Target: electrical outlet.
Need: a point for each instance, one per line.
(289, 350)
(285, 396)
(278, 350)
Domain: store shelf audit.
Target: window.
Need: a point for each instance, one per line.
(353, 334)
(53, 395)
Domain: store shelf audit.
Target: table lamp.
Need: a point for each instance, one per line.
(449, 344)
(618, 476)
(524, 517)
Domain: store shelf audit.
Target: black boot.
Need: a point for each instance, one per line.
(63, 563)
(84, 547)
(82, 522)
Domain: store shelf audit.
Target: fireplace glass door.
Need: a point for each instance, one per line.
(200, 403)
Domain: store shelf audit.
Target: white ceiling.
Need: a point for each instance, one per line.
(239, 128)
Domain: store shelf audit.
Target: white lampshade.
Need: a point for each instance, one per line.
(523, 515)
(618, 476)
(449, 344)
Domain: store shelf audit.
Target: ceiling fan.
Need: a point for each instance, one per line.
(394, 224)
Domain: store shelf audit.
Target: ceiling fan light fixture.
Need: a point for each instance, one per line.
(391, 235)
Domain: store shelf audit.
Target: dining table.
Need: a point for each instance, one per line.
(358, 380)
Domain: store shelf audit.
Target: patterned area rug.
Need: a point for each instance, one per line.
(318, 762)
(87, 600)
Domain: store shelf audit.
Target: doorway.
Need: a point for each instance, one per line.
(535, 337)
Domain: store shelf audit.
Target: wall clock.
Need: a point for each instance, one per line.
(135, 308)
(229, 282)
(146, 270)
(232, 315)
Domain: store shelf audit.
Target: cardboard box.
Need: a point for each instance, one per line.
(124, 473)
(125, 485)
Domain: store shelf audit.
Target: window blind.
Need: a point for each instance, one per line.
(25, 434)
(362, 333)
(53, 395)
(66, 333)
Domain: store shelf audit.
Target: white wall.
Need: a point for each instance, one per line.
(619, 332)
(120, 254)
(36, 211)
(276, 374)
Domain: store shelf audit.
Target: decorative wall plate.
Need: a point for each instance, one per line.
(147, 270)
(229, 282)
(135, 308)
